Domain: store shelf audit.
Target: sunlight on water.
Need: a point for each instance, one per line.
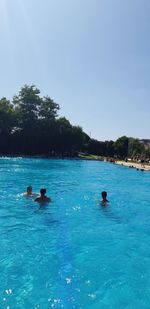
(73, 253)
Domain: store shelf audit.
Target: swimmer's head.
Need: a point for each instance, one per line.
(43, 191)
(29, 189)
(104, 194)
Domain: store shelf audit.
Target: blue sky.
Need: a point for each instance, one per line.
(90, 56)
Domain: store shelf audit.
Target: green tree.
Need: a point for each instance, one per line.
(121, 146)
(96, 147)
(135, 147)
(147, 153)
(64, 135)
(6, 116)
(48, 108)
(7, 122)
(79, 138)
(109, 148)
(27, 104)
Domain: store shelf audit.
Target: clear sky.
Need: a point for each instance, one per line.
(90, 56)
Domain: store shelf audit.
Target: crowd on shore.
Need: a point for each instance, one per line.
(138, 164)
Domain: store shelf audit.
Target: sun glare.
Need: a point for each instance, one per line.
(3, 11)
(4, 18)
(28, 24)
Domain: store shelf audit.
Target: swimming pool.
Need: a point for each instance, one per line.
(74, 253)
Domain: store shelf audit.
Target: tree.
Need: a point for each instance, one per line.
(121, 146)
(27, 104)
(7, 122)
(30, 125)
(96, 147)
(79, 138)
(147, 153)
(135, 147)
(64, 135)
(48, 108)
(6, 116)
(110, 148)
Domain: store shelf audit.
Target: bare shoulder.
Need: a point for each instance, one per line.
(104, 203)
(36, 200)
(24, 194)
(48, 199)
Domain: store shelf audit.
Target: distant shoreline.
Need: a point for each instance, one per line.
(49, 157)
(130, 164)
(136, 165)
(59, 157)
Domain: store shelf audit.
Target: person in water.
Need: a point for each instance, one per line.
(104, 200)
(29, 192)
(43, 198)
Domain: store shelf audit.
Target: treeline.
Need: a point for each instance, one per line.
(123, 147)
(30, 125)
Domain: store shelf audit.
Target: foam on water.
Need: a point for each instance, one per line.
(74, 253)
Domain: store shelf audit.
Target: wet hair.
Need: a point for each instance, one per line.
(43, 191)
(29, 188)
(104, 194)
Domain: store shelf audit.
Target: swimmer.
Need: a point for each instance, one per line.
(43, 198)
(29, 192)
(104, 200)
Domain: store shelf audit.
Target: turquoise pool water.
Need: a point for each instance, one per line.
(74, 253)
